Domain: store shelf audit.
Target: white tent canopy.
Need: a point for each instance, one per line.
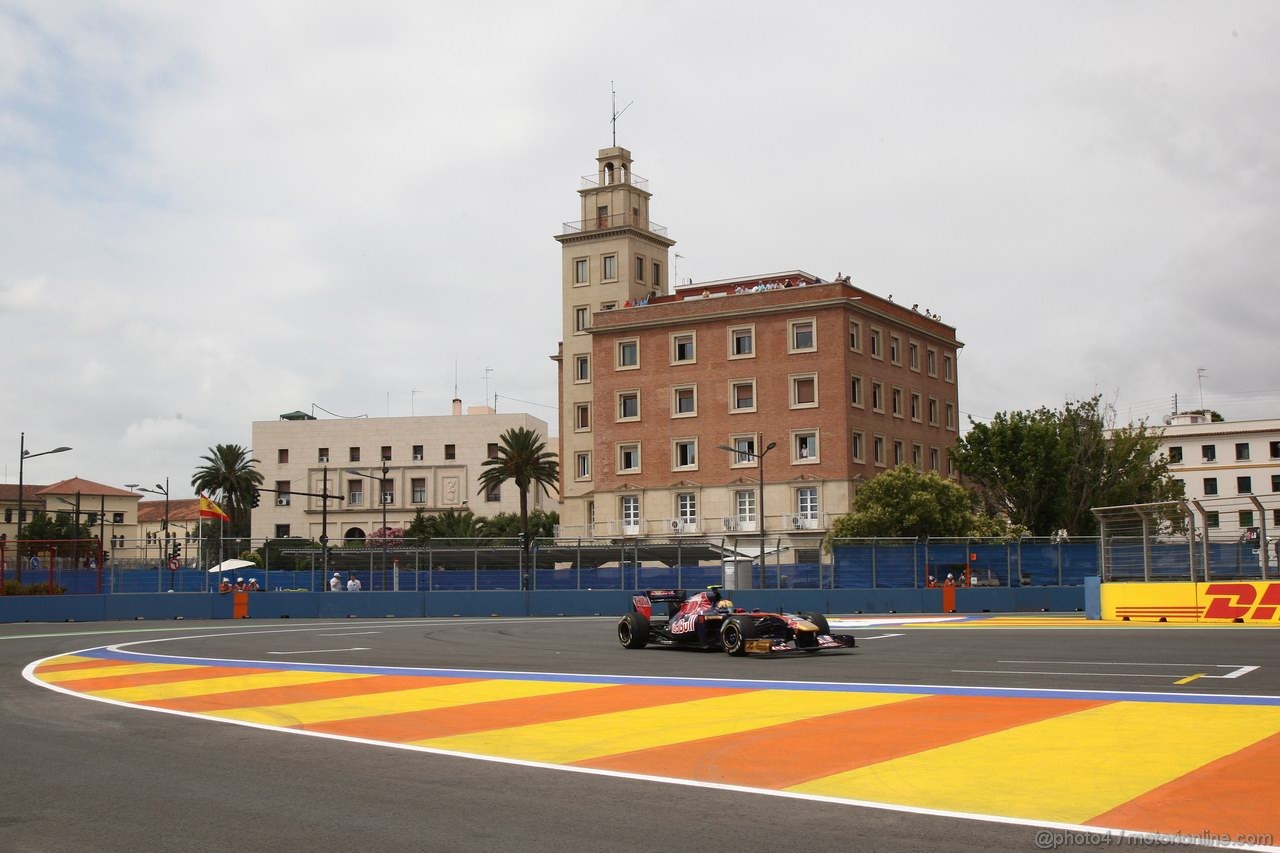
(233, 565)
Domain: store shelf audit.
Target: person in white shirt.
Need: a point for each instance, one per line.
(353, 584)
(335, 583)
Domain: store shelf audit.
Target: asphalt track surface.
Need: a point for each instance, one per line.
(86, 775)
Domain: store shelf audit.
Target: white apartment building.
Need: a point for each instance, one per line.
(433, 463)
(1231, 467)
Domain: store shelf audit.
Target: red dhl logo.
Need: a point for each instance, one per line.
(1241, 601)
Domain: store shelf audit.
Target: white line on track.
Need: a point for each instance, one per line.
(349, 634)
(1047, 672)
(882, 636)
(318, 651)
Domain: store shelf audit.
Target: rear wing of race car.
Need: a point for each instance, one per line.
(644, 602)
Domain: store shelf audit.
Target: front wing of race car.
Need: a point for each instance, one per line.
(767, 645)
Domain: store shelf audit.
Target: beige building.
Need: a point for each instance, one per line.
(671, 402)
(433, 463)
(107, 511)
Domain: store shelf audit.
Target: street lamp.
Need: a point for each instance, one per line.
(23, 456)
(162, 490)
(759, 457)
(382, 499)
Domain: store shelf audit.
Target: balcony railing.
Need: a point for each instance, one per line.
(590, 182)
(614, 220)
(701, 526)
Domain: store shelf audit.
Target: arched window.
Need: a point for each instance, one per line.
(608, 173)
(354, 534)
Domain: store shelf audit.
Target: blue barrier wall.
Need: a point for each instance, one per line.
(304, 605)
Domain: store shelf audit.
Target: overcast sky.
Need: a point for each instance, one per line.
(215, 213)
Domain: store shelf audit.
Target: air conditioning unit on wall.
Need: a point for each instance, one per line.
(282, 501)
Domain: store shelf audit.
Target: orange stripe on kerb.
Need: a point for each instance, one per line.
(1231, 796)
(508, 713)
(167, 676)
(810, 749)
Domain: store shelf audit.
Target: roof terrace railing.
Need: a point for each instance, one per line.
(614, 220)
(593, 182)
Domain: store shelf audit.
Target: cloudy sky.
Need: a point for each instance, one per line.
(215, 213)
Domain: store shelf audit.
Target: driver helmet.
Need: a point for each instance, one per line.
(724, 604)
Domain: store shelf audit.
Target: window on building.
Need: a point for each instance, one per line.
(896, 400)
(899, 452)
(951, 416)
(491, 450)
(1246, 518)
(581, 318)
(582, 417)
(629, 510)
(493, 493)
(913, 356)
(418, 489)
(684, 401)
(657, 273)
(582, 465)
(628, 354)
(877, 396)
(1209, 452)
(1175, 454)
(917, 455)
(933, 459)
(874, 338)
(1274, 447)
(801, 335)
(582, 368)
(855, 390)
(282, 457)
(682, 348)
(685, 453)
(948, 372)
(116, 518)
(807, 503)
(628, 457)
(804, 391)
(745, 450)
(742, 395)
(855, 336)
(1275, 482)
(353, 454)
(877, 450)
(744, 504)
(895, 350)
(610, 267)
(742, 342)
(386, 453)
(1210, 486)
(282, 492)
(355, 492)
(1244, 485)
(388, 489)
(1211, 519)
(322, 455)
(639, 268)
(1275, 517)
(917, 405)
(931, 361)
(580, 271)
(933, 411)
(856, 448)
(805, 446)
(628, 405)
(1242, 451)
(450, 451)
(418, 455)
(282, 531)
(687, 509)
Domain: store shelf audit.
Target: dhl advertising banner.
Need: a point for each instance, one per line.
(1248, 602)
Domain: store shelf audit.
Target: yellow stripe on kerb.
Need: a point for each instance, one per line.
(1068, 768)
(578, 739)
(400, 701)
(113, 671)
(226, 684)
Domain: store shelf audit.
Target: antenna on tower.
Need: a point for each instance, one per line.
(1201, 373)
(455, 379)
(616, 112)
(487, 371)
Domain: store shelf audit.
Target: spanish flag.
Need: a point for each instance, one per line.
(209, 509)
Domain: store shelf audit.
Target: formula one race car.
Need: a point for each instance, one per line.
(706, 620)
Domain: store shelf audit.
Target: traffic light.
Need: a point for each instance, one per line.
(257, 496)
(177, 550)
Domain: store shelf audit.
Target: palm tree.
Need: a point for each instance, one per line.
(523, 458)
(229, 478)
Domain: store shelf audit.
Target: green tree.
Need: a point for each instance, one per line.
(228, 477)
(1045, 470)
(522, 458)
(506, 525)
(902, 502)
(60, 527)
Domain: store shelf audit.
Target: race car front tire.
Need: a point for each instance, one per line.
(734, 634)
(633, 631)
(817, 619)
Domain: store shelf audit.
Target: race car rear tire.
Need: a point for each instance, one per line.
(734, 634)
(817, 619)
(633, 631)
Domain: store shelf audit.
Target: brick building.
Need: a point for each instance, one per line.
(671, 402)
